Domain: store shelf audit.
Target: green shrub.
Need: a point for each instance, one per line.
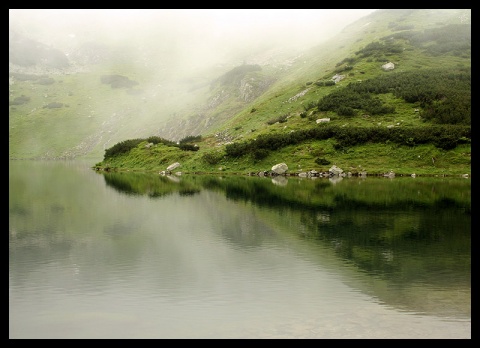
(20, 100)
(259, 154)
(191, 138)
(310, 105)
(322, 161)
(189, 147)
(279, 119)
(122, 147)
(345, 111)
(53, 105)
(118, 81)
(158, 140)
(212, 157)
(46, 81)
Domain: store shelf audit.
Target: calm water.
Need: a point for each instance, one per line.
(129, 255)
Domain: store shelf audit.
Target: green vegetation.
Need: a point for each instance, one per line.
(415, 118)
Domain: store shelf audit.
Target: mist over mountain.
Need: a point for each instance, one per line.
(180, 40)
(84, 80)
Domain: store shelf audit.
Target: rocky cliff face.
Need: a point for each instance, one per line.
(251, 87)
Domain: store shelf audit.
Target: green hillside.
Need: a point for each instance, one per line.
(413, 118)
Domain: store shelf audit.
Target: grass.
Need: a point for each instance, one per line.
(97, 117)
(372, 158)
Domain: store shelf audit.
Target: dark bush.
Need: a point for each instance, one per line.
(443, 95)
(446, 142)
(53, 105)
(443, 136)
(345, 111)
(259, 154)
(191, 138)
(46, 81)
(212, 157)
(158, 140)
(20, 100)
(237, 149)
(310, 105)
(118, 81)
(26, 77)
(189, 147)
(322, 161)
(122, 147)
(279, 119)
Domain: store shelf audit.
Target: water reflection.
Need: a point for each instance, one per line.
(127, 255)
(411, 236)
(151, 185)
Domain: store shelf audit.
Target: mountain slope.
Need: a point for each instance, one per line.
(272, 93)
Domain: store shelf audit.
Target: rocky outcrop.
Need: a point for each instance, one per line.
(173, 166)
(388, 66)
(337, 78)
(334, 170)
(280, 168)
(252, 86)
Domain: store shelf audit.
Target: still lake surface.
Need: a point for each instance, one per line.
(131, 255)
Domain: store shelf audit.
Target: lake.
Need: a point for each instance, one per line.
(141, 255)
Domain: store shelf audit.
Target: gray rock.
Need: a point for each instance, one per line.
(173, 166)
(280, 168)
(334, 170)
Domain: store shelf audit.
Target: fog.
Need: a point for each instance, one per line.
(192, 38)
(173, 55)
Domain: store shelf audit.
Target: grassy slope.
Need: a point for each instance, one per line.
(317, 64)
(94, 116)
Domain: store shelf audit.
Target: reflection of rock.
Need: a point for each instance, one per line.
(280, 181)
(173, 178)
(335, 179)
(390, 174)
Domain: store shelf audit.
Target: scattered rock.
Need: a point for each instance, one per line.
(173, 166)
(280, 168)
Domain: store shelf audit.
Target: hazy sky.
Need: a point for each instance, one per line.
(189, 38)
(215, 22)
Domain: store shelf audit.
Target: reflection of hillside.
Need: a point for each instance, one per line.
(353, 193)
(411, 238)
(405, 241)
(153, 185)
(407, 251)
